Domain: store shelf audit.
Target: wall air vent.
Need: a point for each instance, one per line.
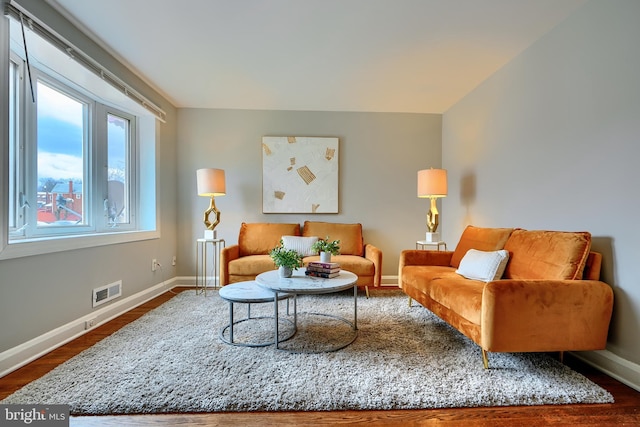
(107, 293)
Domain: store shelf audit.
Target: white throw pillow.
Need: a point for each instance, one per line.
(300, 244)
(481, 265)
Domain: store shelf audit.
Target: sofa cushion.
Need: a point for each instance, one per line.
(260, 238)
(421, 276)
(550, 255)
(462, 296)
(481, 265)
(251, 265)
(350, 235)
(358, 265)
(300, 244)
(482, 239)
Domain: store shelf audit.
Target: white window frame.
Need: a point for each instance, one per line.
(91, 176)
(145, 127)
(102, 113)
(13, 120)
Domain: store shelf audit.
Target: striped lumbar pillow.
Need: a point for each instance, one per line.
(300, 244)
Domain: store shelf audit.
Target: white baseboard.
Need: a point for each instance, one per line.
(185, 281)
(389, 281)
(17, 357)
(615, 366)
(190, 281)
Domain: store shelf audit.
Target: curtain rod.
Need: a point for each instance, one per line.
(18, 13)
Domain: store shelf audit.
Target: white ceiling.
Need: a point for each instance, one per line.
(417, 56)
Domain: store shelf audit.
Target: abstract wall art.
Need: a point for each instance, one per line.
(299, 174)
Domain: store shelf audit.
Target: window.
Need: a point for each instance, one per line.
(61, 155)
(79, 152)
(117, 204)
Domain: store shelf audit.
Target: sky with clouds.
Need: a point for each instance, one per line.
(60, 136)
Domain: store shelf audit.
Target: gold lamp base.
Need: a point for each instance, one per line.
(433, 217)
(216, 214)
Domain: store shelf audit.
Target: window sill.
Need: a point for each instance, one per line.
(66, 243)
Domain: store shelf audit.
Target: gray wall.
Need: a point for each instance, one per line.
(380, 155)
(551, 141)
(40, 293)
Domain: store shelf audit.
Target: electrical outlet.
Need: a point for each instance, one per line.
(88, 324)
(173, 261)
(154, 264)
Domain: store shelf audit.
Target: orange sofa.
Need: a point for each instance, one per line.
(250, 256)
(548, 299)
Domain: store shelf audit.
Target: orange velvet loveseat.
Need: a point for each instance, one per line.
(250, 256)
(549, 298)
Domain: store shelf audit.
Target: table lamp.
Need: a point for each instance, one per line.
(432, 184)
(211, 183)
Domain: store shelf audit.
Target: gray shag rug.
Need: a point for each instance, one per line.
(172, 360)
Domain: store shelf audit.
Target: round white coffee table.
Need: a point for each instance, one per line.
(249, 293)
(301, 284)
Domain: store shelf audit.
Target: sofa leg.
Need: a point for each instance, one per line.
(561, 356)
(409, 301)
(366, 291)
(485, 359)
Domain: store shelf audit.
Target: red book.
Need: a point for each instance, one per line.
(324, 264)
(323, 275)
(323, 270)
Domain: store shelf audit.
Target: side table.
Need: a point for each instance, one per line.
(202, 263)
(250, 293)
(421, 244)
(301, 284)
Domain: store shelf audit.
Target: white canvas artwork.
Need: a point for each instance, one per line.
(299, 174)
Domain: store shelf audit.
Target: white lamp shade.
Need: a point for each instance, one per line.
(432, 183)
(211, 182)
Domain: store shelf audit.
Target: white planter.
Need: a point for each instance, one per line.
(325, 256)
(285, 271)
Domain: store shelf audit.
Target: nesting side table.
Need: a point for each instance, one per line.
(202, 263)
(250, 293)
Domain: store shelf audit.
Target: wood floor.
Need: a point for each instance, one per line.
(624, 412)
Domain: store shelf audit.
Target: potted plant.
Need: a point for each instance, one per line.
(286, 260)
(326, 248)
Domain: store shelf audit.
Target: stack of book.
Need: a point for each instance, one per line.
(326, 270)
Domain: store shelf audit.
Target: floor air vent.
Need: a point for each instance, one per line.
(107, 293)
